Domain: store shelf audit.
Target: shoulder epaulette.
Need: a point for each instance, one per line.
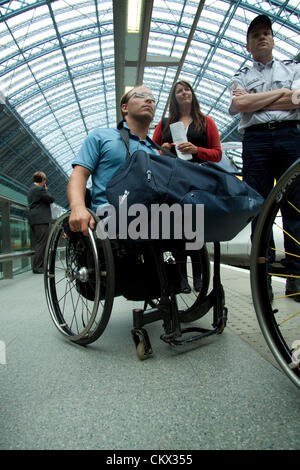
(244, 70)
(291, 61)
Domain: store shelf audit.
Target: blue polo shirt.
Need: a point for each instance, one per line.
(103, 152)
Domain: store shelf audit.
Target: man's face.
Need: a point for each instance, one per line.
(260, 41)
(140, 104)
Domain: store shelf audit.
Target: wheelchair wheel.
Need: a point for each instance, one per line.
(189, 304)
(278, 315)
(79, 282)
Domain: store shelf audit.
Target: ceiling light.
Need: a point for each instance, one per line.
(128, 88)
(134, 9)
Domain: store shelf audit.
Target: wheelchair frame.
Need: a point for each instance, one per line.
(167, 310)
(63, 266)
(80, 288)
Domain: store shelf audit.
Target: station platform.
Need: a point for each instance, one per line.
(226, 394)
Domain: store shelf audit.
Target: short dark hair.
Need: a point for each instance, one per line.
(39, 176)
(127, 95)
(124, 100)
(260, 19)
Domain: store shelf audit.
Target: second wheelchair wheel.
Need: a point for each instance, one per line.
(277, 312)
(79, 282)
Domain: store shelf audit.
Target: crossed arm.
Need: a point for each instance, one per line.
(280, 99)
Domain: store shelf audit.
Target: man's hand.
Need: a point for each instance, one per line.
(278, 99)
(80, 220)
(239, 92)
(283, 103)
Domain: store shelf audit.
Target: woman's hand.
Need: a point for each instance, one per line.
(167, 146)
(188, 147)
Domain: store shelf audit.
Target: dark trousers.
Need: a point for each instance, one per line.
(40, 237)
(181, 259)
(267, 154)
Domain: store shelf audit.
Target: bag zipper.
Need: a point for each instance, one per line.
(149, 175)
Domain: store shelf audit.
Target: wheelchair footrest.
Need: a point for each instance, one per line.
(174, 335)
(200, 334)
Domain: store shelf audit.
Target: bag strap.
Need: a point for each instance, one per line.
(124, 132)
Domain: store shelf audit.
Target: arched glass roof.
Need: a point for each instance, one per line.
(65, 63)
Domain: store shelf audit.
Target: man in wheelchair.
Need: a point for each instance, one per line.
(103, 153)
(86, 270)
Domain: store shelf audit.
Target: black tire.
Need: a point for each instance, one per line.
(79, 281)
(279, 319)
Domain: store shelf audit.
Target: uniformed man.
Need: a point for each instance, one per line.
(269, 106)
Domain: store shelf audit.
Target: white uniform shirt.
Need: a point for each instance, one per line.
(259, 78)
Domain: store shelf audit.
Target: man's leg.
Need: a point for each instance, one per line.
(181, 260)
(41, 232)
(288, 152)
(258, 173)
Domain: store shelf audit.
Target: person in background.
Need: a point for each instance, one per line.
(264, 95)
(39, 217)
(202, 142)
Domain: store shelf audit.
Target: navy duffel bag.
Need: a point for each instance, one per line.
(229, 203)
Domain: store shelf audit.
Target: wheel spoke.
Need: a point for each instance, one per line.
(72, 283)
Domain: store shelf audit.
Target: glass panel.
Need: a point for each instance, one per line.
(47, 84)
(16, 239)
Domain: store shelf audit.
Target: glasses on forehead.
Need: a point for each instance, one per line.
(148, 96)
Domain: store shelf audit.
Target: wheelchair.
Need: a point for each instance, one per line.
(278, 315)
(83, 275)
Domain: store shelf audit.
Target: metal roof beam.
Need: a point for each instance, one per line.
(120, 16)
(186, 48)
(66, 62)
(143, 40)
(131, 49)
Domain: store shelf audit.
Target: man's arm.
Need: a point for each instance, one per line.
(284, 103)
(80, 218)
(251, 102)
